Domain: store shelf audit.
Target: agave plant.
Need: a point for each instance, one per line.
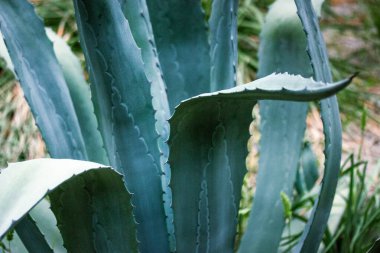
(159, 142)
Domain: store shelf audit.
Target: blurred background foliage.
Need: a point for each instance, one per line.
(352, 32)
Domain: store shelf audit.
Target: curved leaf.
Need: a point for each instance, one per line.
(69, 184)
(122, 96)
(42, 80)
(313, 233)
(181, 36)
(282, 127)
(207, 173)
(223, 39)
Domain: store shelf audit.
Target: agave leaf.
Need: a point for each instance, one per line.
(207, 149)
(307, 173)
(282, 128)
(31, 236)
(313, 233)
(122, 95)
(42, 80)
(182, 44)
(79, 221)
(136, 12)
(81, 97)
(47, 224)
(223, 39)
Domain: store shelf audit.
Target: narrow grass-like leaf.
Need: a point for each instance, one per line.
(282, 127)
(317, 223)
(79, 221)
(122, 95)
(223, 39)
(41, 78)
(205, 171)
(182, 44)
(136, 12)
(81, 97)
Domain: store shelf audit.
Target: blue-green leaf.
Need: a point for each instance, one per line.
(182, 44)
(31, 236)
(89, 200)
(313, 233)
(41, 78)
(81, 97)
(223, 39)
(282, 127)
(136, 13)
(308, 172)
(207, 150)
(122, 95)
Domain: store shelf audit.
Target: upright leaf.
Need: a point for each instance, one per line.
(93, 213)
(81, 96)
(181, 36)
(31, 236)
(282, 127)
(207, 173)
(223, 39)
(41, 78)
(332, 129)
(122, 95)
(136, 13)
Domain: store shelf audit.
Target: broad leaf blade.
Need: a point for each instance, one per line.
(223, 39)
(181, 37)
(282, 126)
(313, 233)
(41, 78)
(206, 174)
(25, 184)
(122, 95)
(136, 12)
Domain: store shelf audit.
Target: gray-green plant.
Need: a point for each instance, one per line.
(164, 127)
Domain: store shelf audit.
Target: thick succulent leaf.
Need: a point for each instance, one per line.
(90, 201)
(223, 39)
(282, 128)
(81, 96)
(47, 224)
(41, 79)
(136, 12)
(313, 233)
(207, 150)
(31, 236)
(182, 44)
(308, 172)
(122, 94)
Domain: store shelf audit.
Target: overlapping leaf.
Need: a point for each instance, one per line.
(180, 32)
(123, 98)
(282, 126)
(313, 233)
(41, 78)
(206, 172)
(84, 225)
